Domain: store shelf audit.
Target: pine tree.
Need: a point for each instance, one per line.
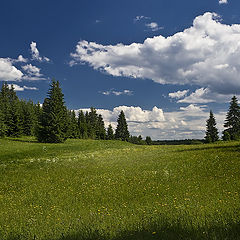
(211, 130)
(110, 133)
(91, 120)
(28, 117)
(54, 120)
(100, 128)
(37, 119)
(14, 124)
(232, 122)
(122, 132)
(82, 125)
(3, 128)
(73, 125)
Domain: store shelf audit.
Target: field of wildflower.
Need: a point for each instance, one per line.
(113, 190)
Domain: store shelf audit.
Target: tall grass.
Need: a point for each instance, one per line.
(85, 189)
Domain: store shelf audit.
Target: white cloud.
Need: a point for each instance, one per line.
(19, 88)
(138, 18)
(35, 53)
(32, 70)
(153, 26)
(206, 54)
(188, 122)
(223, 1)
(205, 95)
(178, 94)
(117, 93)
(8, 72)
(21, 59)
(193, 108)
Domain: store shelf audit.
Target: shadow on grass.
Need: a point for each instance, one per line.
(214, 147)
(155, 232)
(24, 140)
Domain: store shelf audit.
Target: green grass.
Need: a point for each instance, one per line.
(112, 190)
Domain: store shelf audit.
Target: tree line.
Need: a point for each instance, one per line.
(53, 122)
(232, 124)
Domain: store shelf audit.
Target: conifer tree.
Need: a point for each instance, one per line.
(110, 133)
(3, 128)
(28, 117)
(14, 121)
(232, 122)
(54, 120)
(73, 125)
(211, 130)
(122, 132)
(100, 128)
(82, 125)
(38, 114)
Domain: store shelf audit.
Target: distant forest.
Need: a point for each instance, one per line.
(52, 122)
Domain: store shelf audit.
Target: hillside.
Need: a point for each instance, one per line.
(86, 189)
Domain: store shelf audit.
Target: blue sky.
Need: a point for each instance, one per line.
(165, 63)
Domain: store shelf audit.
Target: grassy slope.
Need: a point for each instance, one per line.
(85, 189)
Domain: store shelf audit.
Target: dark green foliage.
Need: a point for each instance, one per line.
(122, 132)
(73, 130)
(226, 136)
(136, 140)
(232, 122)
(211, 130)
(110, 133)
(3, 127)
(148, 140)
(28, 117)
(100, 128)
(53, 126)
(38, 114)
(10, 107)
(82, 125)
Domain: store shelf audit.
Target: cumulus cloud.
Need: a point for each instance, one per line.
(8, 72)
(153, 26)
(205, 95)
(32, 70)
(223, 1)
(178, 94)
(117, 93)
(20, 89)
(35, 53)
(206, 55)
(22, 59)
(187, 122)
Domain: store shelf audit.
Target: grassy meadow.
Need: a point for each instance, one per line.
(112, 190)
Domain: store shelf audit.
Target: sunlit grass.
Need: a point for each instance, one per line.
(85, 189)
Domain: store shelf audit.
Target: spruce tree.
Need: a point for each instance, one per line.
(211, 130)
(73, 125)
(100, 128)
(38, 114)
(54, 120)
(3, 128)
(122, 132)
(110, 133)
(28, 117)
(14, 124)
(82, 125)
(10, 107)
(232, 122)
